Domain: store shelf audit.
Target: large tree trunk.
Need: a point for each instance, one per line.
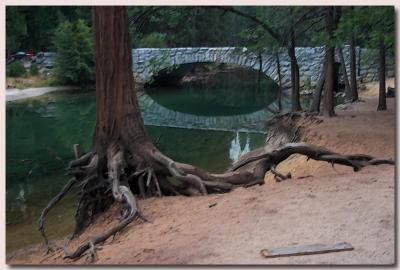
(124, 162)
(115, 95)
(382, 75)
(294, 72)
(119, 134)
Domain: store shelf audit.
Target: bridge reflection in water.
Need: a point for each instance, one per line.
(236, 150)
(155, 114)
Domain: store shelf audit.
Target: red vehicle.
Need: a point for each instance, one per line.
(29, 55)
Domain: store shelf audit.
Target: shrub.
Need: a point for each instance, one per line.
(34, 70)
(74, 62)
(307, 83)
(16, 69)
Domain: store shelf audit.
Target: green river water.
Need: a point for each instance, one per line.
(40, 133)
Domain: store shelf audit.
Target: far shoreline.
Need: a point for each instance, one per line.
(13, 94)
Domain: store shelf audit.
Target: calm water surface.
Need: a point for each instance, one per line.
(225, 94)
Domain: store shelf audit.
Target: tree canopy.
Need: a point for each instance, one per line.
(32, 27)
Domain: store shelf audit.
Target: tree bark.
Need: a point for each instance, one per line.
(297, 84)
(358, 61)
(382, 75)
(328, 109)
(115, 95)
(294, 72)
(316, 101)
(348, 93)
(353, 75)
(278, 65)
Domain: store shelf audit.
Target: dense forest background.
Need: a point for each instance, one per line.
(34, 28)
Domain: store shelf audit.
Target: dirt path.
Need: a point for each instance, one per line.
(320, 204)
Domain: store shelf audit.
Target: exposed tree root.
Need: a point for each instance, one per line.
(51, 204)
(121, 173)
(314, 152)
(278, 176)
(89, 244)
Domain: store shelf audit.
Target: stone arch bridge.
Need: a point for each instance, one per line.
(147, 62)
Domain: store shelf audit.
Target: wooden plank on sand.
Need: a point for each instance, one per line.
(305, 250)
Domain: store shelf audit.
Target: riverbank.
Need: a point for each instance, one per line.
(320, 204)
(13, 94)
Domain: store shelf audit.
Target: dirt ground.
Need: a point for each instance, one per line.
(320, 204)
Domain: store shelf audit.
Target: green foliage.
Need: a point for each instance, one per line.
(257, 40)
(322, 38)
(307, 83)
(185, 26)
(345, 28)
(31, 28)
(15, 28)
(303, 21)
(74, 46)
(367, 24)
(16, 69)
(33, 70)
(152, 40)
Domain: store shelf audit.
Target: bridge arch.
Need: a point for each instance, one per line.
(148, 62)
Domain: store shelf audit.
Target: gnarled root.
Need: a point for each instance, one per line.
(50, 205)
(314, 152)
(121, 193)
(206, 182)
(144, 170)
(97, 239)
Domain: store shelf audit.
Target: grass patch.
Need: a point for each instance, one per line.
(29, 81)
